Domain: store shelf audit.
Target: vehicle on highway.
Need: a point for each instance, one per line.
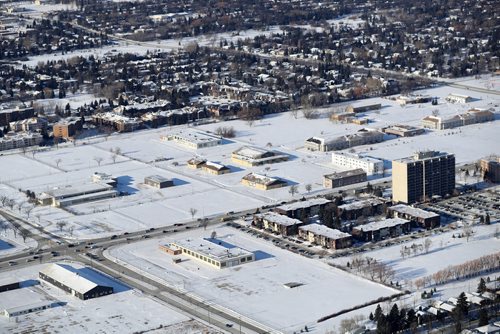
(113, 237)
(12, 263)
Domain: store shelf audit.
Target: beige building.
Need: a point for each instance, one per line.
(490, 167)
(262, 182)
(20, 140)
(215, 168)
(422, 176)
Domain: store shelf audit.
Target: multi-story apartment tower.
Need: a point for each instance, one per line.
(422, 176)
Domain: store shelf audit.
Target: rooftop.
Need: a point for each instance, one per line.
(361, 204)
(212, 248)
(261, 179)
(423, 155)
(386, 223)
(347, 173)
(157, 178)
(356, 156)
(73, 190)
(303, 204)
(70, 277)
(279, 219)
(193, 136)
(415, 212)
(324, 231)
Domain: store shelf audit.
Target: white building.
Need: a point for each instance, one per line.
(19, 140)
(458, 98)
(193, 139)
(352, 161)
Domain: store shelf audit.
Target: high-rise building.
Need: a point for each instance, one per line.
(422, 176)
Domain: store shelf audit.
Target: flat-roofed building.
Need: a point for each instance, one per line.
(300, 209)
(419, 217)
(262, 182)
(158, 181)
(74, 282)
(6, 285)
(352, 161)
(19, 140)
(213, 252)
(255, 156)
(193, 139)
(472, 116)
(403, 130)
(422, 176)
(76, 194)
(458, 98)
(413, 99)
(490, 168)
(358, 109)
(340, 179)
(362, 137)
(325, 236)
(382, 229)
(276, 223)
(215, 168)
(170, 249)
(67, 128)
(15, 114)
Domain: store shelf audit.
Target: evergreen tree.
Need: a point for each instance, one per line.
(487, 219)
(383, 325)
(393, 319)
(378, 312)
(481, 287)
(462, 304)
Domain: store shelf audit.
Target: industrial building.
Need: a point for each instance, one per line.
(7, 285)
(276, 223)
(472, 116)
(74, 282)
(213, 253)
(418, 217)
(253, 156)
(193, 139)
(362, 137)
(422, 176)
(352, 161)
(158, 181)
(379, 230)
(262, 182)
(72, 195)
(325, 236)
(18, 302)
(340, 179)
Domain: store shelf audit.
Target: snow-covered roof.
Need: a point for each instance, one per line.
(157, 178)
(303, 204)
(211, 249)
(69, 278)
(193, 136)
(71, 190)
(357, 205)
(261, 179)
(279, 219)
(414, 212)
(214, 165)
(386, 223)
(322, 230)
(251, 152)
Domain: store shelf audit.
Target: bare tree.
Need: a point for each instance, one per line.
(118, 151)
(58, 161)
(309, 113)
(70, 231)
(467, 231)
(114, 157)
(24, 234)
(308, 187)
(435, 112)
(204, 223)
(98, 160)
(3, 199)
(28, 209)
(293, 189)
(427, 244)
(213, 235)
(61, 224)
(193, 212)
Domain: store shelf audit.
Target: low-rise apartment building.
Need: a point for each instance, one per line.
(353, 161)
(325, 236)
(276, 223)
(382, 229)
(340, 179)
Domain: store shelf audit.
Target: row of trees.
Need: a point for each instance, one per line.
(415, 249)
(467, 269)
(372, 268)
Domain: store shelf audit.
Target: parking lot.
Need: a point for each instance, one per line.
(469, 207)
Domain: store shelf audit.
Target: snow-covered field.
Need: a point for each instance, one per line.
(125, 311)
(256, 289)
